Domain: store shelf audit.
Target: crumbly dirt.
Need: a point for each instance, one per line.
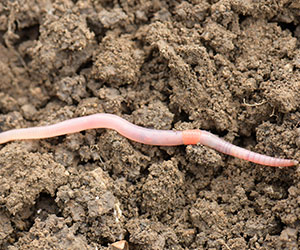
(231, 67)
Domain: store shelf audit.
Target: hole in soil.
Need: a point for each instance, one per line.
(288, 26)
(96, 27)
(29, 33)
(86, 65)
(242, 18)
(180, 116)
(1, 38)
(44, 206)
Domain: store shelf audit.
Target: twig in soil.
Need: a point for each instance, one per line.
(143, 135)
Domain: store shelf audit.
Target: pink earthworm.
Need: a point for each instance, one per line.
(142, 135)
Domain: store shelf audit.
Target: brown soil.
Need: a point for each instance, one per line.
(230, 67)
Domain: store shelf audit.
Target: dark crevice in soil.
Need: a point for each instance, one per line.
(44, 206)
(96, 27)
(108, 4)
(288, 26)
(279, 227)
(125, 108)
(220, 133)
(86, 65)
(29, 33)
(242, 18)
(2, 37)
(181, 116)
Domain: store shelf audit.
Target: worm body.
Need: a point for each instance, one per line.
(142, 135)
(109, 121)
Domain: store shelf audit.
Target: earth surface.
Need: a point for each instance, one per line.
(231, 67)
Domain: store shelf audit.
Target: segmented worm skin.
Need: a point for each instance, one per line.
(142, 135)
(213, 141)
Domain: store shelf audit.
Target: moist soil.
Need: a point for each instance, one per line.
(230, 67)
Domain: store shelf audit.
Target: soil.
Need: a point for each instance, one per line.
(230, 67)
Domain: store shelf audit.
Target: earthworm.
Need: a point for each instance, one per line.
(142, 135)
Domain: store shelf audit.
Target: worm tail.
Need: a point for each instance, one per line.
(225, 147)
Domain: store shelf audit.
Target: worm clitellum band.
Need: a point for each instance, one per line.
(142, 135)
